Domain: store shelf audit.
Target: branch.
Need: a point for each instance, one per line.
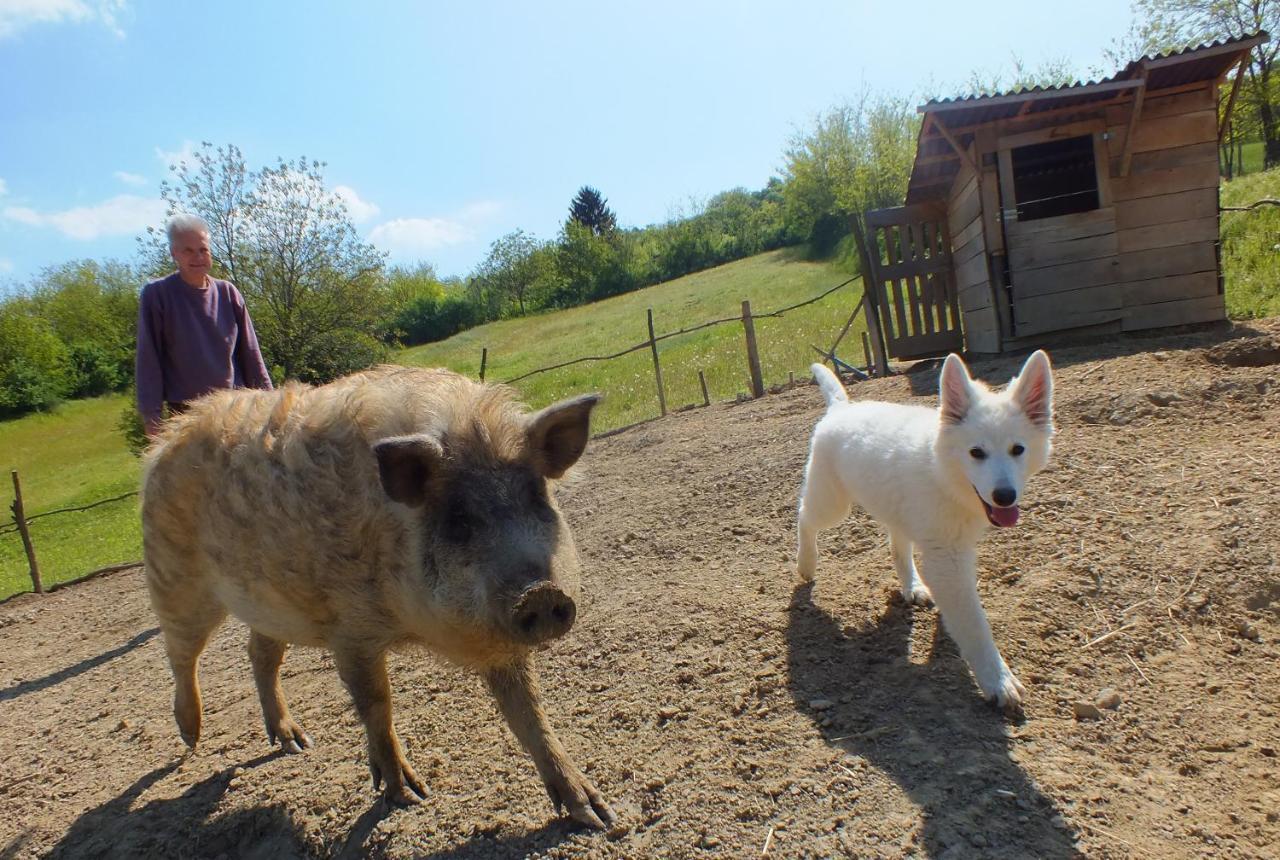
(1265, 201)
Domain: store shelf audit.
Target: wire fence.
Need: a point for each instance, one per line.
(21, 521)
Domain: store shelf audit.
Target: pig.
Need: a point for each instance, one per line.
(394, 508)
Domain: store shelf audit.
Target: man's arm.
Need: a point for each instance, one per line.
(252, 367)
(148, 370)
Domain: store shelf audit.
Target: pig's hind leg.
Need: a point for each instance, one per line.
(188, 619)
(516, 689)
(365, 676)
(266, 655)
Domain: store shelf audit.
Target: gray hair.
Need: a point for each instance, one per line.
(186, 224)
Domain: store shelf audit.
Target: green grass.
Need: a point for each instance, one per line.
(70, 457)
(769, 281)
(1251, 246)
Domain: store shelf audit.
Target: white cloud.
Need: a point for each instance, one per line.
(17, 15)
(173, 158)
(122, 215)
(4, 189)
(409, 236)
(126, 177)
(6, 266)
(359, 210)
(418, 235)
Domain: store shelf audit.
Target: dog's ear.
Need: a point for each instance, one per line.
(955, 390)
(1032, 389)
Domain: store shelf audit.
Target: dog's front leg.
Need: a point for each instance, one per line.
(952, 578)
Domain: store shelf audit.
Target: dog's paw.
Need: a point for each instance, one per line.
(917, 595)
(1007, 694)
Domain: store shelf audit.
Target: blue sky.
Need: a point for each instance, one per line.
(446, 125)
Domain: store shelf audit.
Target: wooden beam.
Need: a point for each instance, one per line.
(959, 150)
(1231, 99)
(1134, 113)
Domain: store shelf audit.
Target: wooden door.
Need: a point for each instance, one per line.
(913, 281)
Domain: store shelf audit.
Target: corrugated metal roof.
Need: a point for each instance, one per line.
(1205, 62)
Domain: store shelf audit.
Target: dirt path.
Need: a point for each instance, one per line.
(722, 708)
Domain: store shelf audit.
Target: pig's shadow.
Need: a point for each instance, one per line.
(117, 829)
(480, 845)
(926, 726)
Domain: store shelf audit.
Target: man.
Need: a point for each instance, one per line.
(194, 332)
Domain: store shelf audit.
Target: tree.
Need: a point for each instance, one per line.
(589, 209)
(856, 156)
(513, 267)
(1052, 72)
(313, 287)
(1162, 24)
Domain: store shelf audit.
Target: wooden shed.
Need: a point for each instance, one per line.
(1046, 214)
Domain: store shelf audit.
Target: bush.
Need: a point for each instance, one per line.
(429, 319)
(337, 353)
(26, 388)
(94, 370)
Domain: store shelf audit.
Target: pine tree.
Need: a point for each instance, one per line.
(589, 209)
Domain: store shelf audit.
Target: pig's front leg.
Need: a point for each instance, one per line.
(365, 676)
(516, 689)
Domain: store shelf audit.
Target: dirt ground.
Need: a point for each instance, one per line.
(728, 712)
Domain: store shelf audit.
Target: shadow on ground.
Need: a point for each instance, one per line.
(926, 727)
(25, 687)
(182, 826)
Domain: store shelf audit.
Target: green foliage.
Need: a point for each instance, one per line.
(1251, 246)
(1052, 72)
(130, 427)
(428, 319)
(855, 157)
(590, 209)
(35, 365)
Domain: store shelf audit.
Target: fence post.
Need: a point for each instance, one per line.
(870, 302)
(753, 355)
(866, 350)
(20, 517)
(702, 380)
(657, 368)
(484, 359)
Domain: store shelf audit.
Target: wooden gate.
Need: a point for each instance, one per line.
(913, 282)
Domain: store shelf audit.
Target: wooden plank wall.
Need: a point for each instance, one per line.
(1149, 258)
(969, 257)
(1167, 211)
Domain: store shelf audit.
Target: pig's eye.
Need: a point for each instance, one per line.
(457, 526)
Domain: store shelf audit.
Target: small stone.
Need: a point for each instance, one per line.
(1086, 711)
(1248, 631)
(668, 713)
(1108, 699)
(122, 725)
(1164, 398)
(821, 704)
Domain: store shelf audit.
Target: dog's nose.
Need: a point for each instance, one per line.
(1004, 496)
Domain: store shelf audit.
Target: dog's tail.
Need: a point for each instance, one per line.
(832, 389)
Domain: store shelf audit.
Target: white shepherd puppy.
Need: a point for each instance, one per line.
(934, 479)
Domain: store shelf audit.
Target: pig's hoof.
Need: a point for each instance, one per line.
(585, 804)
(290, 736)
(404, 788)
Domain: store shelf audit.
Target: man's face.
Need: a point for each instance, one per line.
(190, 250)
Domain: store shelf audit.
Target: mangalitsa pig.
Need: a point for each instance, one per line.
(392, 508)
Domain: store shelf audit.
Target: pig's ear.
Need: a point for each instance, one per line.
(955, 390)
(558, 434)
(404, 465)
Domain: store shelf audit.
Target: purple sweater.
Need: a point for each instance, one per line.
(193, 341)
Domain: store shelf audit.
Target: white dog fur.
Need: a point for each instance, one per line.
(935, 478)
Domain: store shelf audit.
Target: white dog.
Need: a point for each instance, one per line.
(935, 479)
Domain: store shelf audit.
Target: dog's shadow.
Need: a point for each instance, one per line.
(926, 726)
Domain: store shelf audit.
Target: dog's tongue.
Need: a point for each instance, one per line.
(1005, 517)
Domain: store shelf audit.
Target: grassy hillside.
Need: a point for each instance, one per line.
(1251, 246)
(71, 457)
(769, 281)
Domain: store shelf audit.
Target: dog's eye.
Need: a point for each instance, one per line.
(1017, 450)
(977, 453)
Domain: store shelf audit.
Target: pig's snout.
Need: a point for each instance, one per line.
(542, 613)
